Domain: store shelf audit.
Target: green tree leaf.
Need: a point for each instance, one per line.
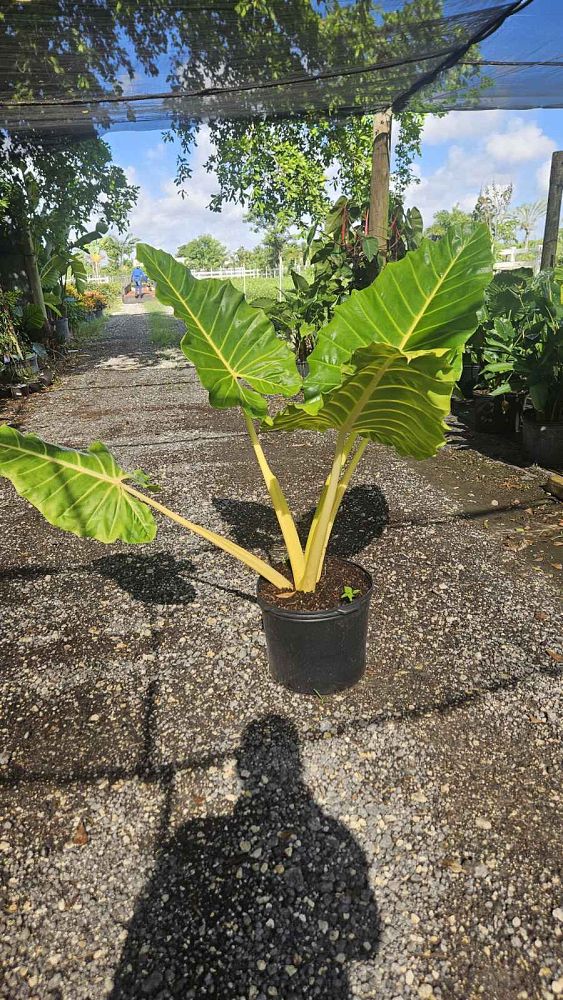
(370, 246)
(426, 301)
(300, 283)
(233, 345)
(205, 253)
(79, 491)
(390, 398)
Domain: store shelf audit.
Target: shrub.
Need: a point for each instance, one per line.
(93, 299)
(76, 313)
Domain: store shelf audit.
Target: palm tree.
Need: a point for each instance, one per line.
(119, 248)
(95, 259)
(527, 217)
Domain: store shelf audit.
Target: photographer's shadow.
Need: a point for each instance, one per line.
(274, 894)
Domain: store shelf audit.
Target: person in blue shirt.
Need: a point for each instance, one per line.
(138, 277)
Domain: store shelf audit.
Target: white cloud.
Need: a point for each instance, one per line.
(168, 220)
(542, 177)
(156, 153)
(520, 142)
(131, 175)
(490, 147)
(459, 125)
(456, 182)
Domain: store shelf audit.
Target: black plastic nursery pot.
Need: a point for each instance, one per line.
(62, 329)
(543, 441)
(498, 414)
(317, 652)
(468, 379)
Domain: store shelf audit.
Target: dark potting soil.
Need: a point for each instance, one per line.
(337, 574)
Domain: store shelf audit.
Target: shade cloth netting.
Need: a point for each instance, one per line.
(68, 67)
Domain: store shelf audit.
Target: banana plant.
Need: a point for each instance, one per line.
(383, 370)
(67, 259)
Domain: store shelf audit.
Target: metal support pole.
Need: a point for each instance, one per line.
(551, 232)
(378, 223)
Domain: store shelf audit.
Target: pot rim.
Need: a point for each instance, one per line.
(323, 613)
(532, 422)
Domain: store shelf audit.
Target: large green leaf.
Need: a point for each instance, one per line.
(232, 344)
(78, 271)
(390, 398)
(427, 301)
(79, 491)
(55, 267)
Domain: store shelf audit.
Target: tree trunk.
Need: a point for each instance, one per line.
(32, 271)
(378, 224)
(551, 232)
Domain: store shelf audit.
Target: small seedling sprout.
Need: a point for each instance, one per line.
(349, 593)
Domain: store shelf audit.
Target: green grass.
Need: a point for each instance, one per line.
(163, 328)
(259, 288)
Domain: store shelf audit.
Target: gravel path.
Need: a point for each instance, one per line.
(176, 826)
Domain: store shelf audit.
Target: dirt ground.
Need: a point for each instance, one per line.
(144, 851)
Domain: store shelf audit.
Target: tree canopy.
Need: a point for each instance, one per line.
(53, 191)
(119, 250)
(204, 253)
(445, 220)
(527, 217)
(281, 170)
(276, 168)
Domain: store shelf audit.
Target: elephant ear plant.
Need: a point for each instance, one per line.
(383, 370)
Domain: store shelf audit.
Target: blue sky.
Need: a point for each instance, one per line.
(460, 153)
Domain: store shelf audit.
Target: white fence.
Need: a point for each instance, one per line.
(236, 272)
(511, 261)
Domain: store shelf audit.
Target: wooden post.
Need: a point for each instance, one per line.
(549, 251)
(378, 223)
(32, 271)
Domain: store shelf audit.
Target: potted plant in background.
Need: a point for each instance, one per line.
(19, 354)
(512, 304)
(500, 390)
(543, 424)
(540, 366)
(523, 358)
(54, 276)
(64, 261)
(383, 369)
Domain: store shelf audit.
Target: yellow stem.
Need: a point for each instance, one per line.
(281, 507)
(258, 565)
(341, 490)
(309, 581)
(314, 522)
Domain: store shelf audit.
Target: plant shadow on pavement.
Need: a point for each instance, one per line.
(160, 578)
(274, 894)
(152, 579)
(361, 518)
